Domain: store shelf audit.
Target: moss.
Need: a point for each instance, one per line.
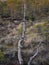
(1, 56)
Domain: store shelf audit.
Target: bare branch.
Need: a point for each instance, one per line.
(32, 57)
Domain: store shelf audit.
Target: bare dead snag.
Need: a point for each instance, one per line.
(20, 52)
(21, 61)
(20, 47)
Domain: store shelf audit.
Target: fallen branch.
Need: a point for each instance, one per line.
(32, 57)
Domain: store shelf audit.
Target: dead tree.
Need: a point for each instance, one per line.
(21, 61)
(20, 52)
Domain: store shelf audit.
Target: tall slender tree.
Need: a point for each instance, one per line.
(21, 61)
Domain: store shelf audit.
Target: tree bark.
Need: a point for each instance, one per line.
(21, 61)
(20, 52)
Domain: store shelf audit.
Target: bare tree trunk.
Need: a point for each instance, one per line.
(24, 22)
(20, 52)
(21, 61)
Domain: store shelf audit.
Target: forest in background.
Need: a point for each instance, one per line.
(34, 8)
